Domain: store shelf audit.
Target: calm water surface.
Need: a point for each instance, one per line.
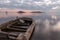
(47, 24)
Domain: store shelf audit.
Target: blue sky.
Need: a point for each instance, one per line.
(31, 4)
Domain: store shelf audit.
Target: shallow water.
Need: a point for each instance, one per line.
(47, 24)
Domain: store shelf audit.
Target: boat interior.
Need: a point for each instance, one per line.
(12, 31)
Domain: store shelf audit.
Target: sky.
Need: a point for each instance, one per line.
(31, 4)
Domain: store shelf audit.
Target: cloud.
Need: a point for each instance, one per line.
(44, 2)
(56, 7)
(58, 1)
(47, 2)
(4, 1)
(19, 1)
(44, 5)
(39, 3)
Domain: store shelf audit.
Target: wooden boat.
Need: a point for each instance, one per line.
(18, 29)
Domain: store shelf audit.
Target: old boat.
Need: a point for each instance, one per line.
(18, 29)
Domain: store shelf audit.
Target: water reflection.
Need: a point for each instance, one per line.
(47, 26)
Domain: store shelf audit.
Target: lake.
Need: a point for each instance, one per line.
(47, 24)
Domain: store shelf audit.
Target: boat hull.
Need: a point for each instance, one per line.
(17, 30)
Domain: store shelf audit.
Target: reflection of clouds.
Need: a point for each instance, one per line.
(30, 14)
(38, 21)
(53, 17)
(46, 23)
(4, 15)
(26, 14)
(12, 14)
(56, 27)
(48, 28)
(1, 15)
(51, 25)
(43, 25)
